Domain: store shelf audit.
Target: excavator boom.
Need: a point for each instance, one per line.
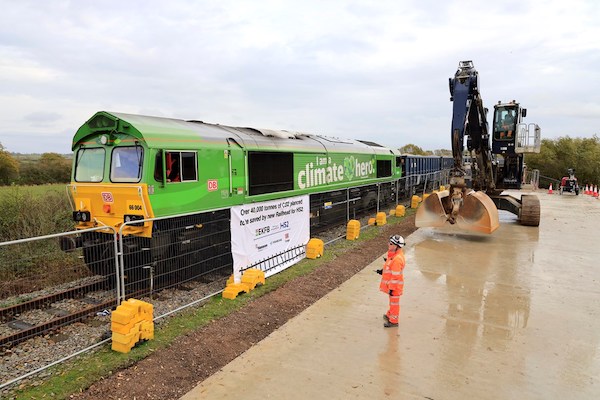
(470, 209)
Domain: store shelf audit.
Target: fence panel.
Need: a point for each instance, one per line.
(182, 249)
(47, 282)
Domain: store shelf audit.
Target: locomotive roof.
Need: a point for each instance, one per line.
(158, 132)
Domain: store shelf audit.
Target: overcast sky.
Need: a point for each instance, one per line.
(373, 70)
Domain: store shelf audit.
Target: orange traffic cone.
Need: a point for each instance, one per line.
(550, 189)
(587, 190)
(595, 190)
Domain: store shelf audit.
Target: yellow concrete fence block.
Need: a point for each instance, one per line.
(425, 196)
(414, 201)
(314, 248)
(229, 280)
(122, 315)
(231, 291)
(380, 218)
(122, 348)
(252, 277)
(124, 328)
(442, 188)
(353, 229)
(400, 211)
(147, 330)
(371, 221)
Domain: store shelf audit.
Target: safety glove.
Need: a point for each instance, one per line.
(391, 292)
(379, 271)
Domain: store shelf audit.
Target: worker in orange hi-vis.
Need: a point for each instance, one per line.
(392, 279)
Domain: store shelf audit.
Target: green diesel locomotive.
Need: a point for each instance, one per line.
(151, 172)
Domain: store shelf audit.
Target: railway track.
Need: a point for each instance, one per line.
(16, 329)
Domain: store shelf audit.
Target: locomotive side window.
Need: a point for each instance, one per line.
(181, 166)
(188, 166)
(89, 166)
(270, 172)
(384, 168)
(126, 164)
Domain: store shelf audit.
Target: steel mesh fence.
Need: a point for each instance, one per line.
(47, 282)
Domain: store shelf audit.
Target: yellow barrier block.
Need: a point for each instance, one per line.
(353, 229)
(232, 290)
(414, 201)
(122, 315)
(124, 328)
(146, 330)
(371, 221)
(131, 337)
(425, 196)
(122, 348)
(442, 188)
(130, 322)
(314, 248)
(400, 211)
(253, 277)
(380, 218)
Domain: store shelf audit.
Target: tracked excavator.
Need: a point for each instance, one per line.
(479, 177)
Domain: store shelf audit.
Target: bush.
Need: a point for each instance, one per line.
(25, 214)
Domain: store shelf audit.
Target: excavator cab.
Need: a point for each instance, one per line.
(510, 135)
(511, 138)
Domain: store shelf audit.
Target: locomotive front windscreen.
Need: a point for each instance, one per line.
(89, 165)
(126, 164)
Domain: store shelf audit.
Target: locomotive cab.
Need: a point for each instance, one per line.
(109, 167)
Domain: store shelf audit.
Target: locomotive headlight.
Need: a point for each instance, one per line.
(131, 218)
(103, 139)
(81, 216)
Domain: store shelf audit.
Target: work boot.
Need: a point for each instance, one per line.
(389, 324)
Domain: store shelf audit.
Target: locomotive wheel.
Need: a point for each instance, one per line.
(530, 210)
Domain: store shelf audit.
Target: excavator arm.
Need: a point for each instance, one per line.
(470, 209)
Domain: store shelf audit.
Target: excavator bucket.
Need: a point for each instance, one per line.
(431, 212)
(478, 212)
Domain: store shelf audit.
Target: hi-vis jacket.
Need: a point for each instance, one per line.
(392, 277)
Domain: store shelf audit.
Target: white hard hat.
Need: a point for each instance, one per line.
(397, 240)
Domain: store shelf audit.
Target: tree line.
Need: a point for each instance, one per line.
(33, 170)
(558, 155)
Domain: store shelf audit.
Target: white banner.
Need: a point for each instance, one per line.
(270, 235)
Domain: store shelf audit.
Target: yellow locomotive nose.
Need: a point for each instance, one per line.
(112, 206)
(477, 213)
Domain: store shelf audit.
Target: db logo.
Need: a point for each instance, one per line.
(212, 185)
(107, 197)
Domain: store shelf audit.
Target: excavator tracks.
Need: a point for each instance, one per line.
(530, 210)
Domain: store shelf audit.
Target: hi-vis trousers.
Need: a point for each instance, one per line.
(394, 311)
